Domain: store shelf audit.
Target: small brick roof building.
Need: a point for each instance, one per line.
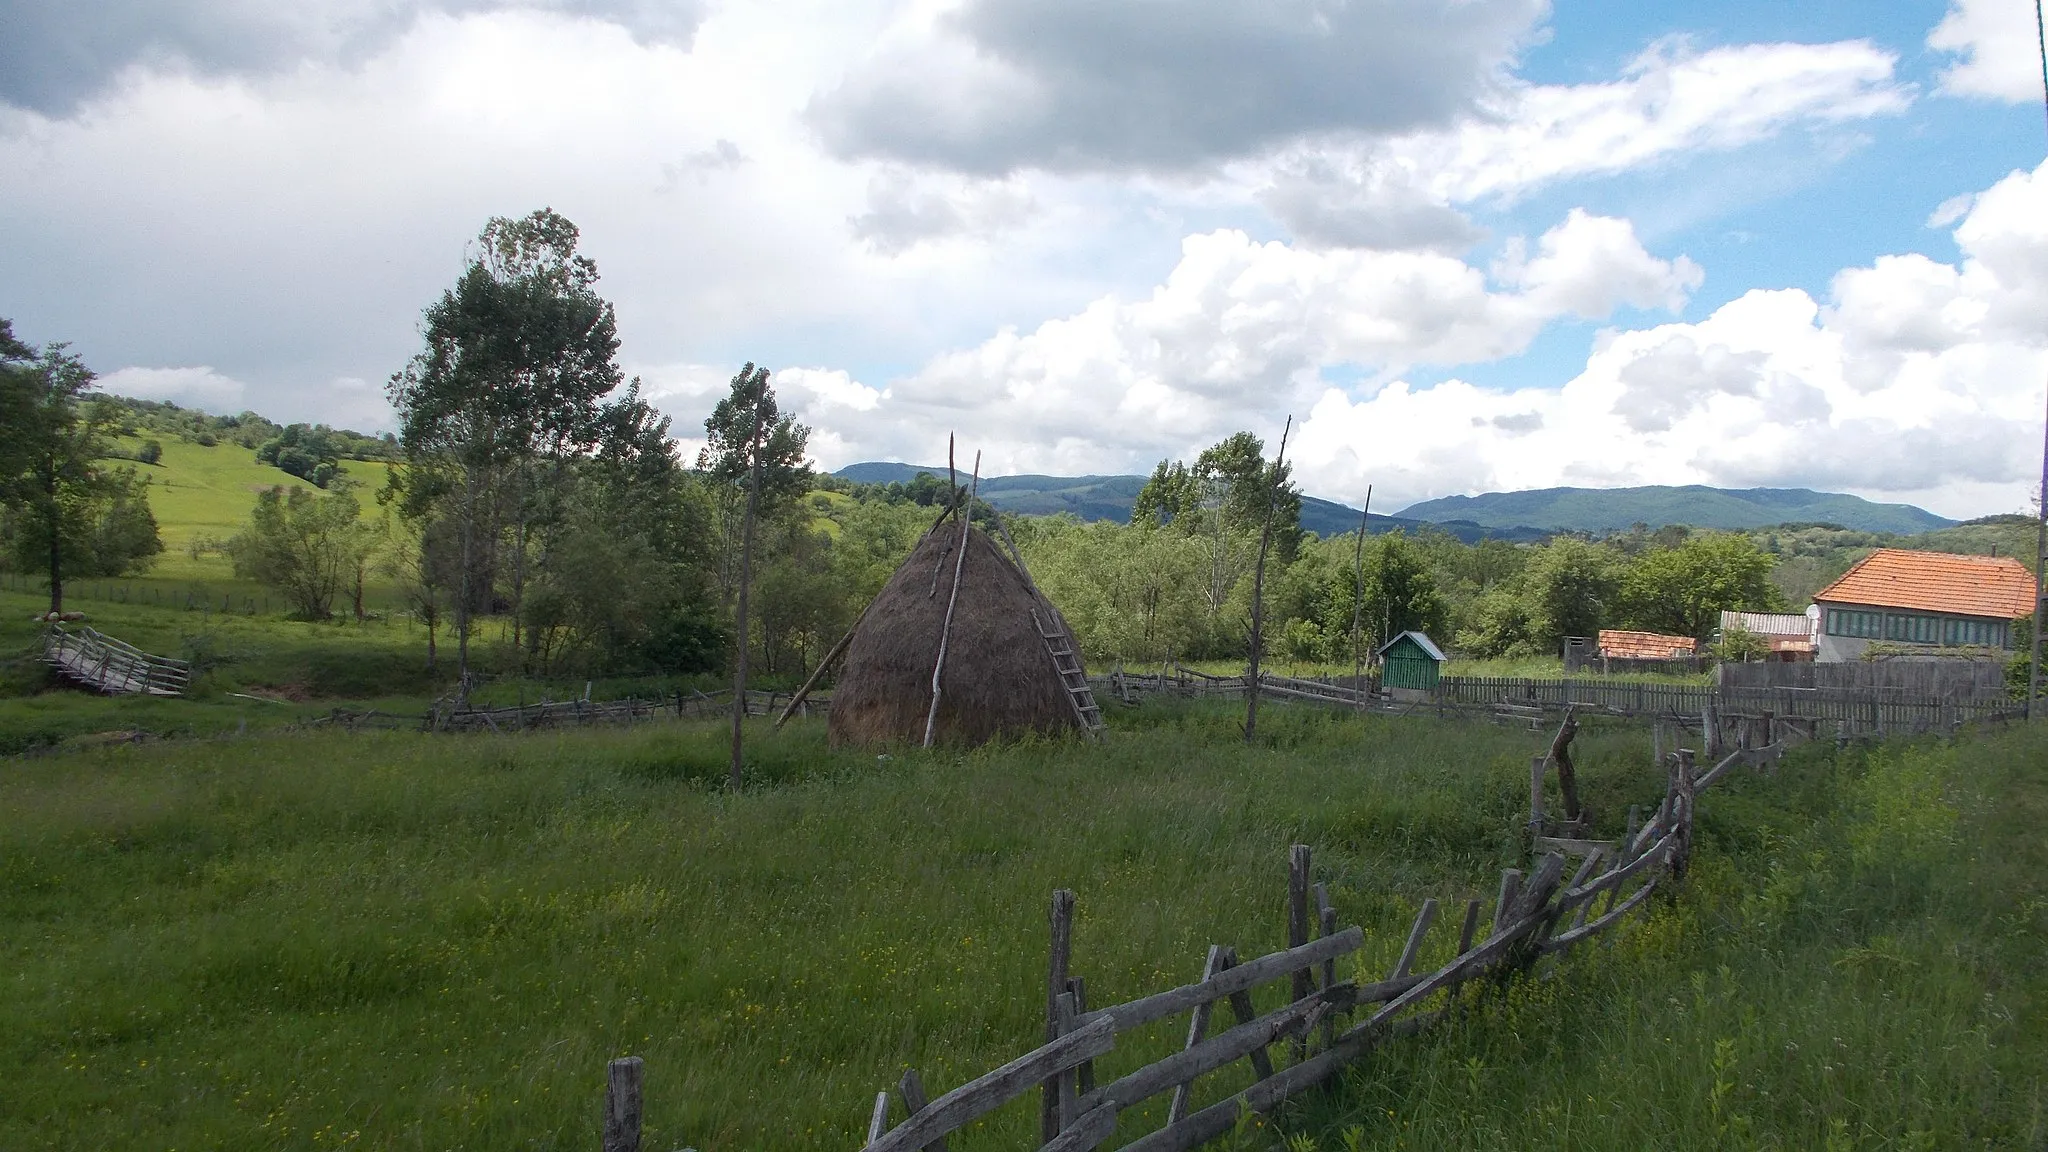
(1616, 644)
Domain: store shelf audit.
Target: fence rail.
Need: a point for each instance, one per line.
(1853, 711)
(99, 661)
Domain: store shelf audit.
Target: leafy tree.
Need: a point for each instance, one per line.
(307, 546)
(754, 454)
(1399, 594)
(1571, 586)
(518, 355)
(1682, 591)
(66, 513)
(423, 559)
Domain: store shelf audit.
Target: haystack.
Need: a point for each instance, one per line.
(999, 678)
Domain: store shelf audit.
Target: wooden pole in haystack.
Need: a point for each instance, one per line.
(1358, 603)
(931, 718)
(739, 674)
(1251, 685)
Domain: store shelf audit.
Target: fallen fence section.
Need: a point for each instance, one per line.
(105, 664)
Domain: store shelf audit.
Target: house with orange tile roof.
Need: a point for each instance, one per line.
(1931, 601)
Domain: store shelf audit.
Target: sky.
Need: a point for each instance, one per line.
(1466, 245)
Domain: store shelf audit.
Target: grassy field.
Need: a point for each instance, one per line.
(404, 941)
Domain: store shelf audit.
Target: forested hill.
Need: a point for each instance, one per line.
(1111, 497)
(1602, 510)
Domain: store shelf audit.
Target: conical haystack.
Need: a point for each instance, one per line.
(999, 678)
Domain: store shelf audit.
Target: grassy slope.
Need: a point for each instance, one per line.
(437, 942)
(204, 494)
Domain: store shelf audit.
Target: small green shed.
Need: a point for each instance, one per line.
(1410, 661)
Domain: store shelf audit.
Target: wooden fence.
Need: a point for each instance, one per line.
(1820, 711)
(1324, 1024)
(104, 663)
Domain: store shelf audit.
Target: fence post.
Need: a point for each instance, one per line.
(1681, 814)
(622, 1105)
(1536, 764)
(1062, 919)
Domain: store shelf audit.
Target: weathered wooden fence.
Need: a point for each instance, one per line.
(1816, 711)
(1323, 1024)
(104, 663)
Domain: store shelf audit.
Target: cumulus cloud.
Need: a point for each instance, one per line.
(1772, 388)
(990, 86)
(58, 54)
(1996, 49)
(1238, 332)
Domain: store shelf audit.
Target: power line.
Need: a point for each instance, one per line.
(2041, 513)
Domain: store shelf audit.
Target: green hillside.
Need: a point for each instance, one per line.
(1616, 509)
(201, 495)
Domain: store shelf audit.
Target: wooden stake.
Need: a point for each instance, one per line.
(1062, 919)
(1358, 602)
(622, 1105)
(931, 719)
(1198, 1026)
(911, 1088)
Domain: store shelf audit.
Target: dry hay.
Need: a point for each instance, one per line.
(999, 680)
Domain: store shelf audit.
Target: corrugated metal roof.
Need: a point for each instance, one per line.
(1426, 643)
(1993, 586)
(1769, 623)
(1644, 645)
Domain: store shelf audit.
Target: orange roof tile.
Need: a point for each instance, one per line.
(1643, 645)
(1994, 586)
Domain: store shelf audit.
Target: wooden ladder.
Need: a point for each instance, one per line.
(1060, 646)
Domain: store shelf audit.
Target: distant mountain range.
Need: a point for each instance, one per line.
(1530, 515)
(1111, 497)
(1616, 509)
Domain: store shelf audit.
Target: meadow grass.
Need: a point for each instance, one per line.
(410, 941)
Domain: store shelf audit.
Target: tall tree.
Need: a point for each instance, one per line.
(518, 356)
(67, 513)
(753, 448)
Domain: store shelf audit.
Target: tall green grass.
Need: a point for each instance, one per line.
(404, 941)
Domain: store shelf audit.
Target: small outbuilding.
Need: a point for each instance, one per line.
(1410, 664)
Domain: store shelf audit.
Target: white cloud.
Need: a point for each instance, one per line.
(1997, 46)
(1670, 102)
(197, 387)
(1917, 381)
(1236, 335)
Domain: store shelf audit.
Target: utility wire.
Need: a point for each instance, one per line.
(2041, 528)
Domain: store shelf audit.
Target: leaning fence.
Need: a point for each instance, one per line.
(1324, 1024)
(109, 665)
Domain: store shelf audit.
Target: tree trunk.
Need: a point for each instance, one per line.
(739, 676)
(465, 580)
(1251, 685)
